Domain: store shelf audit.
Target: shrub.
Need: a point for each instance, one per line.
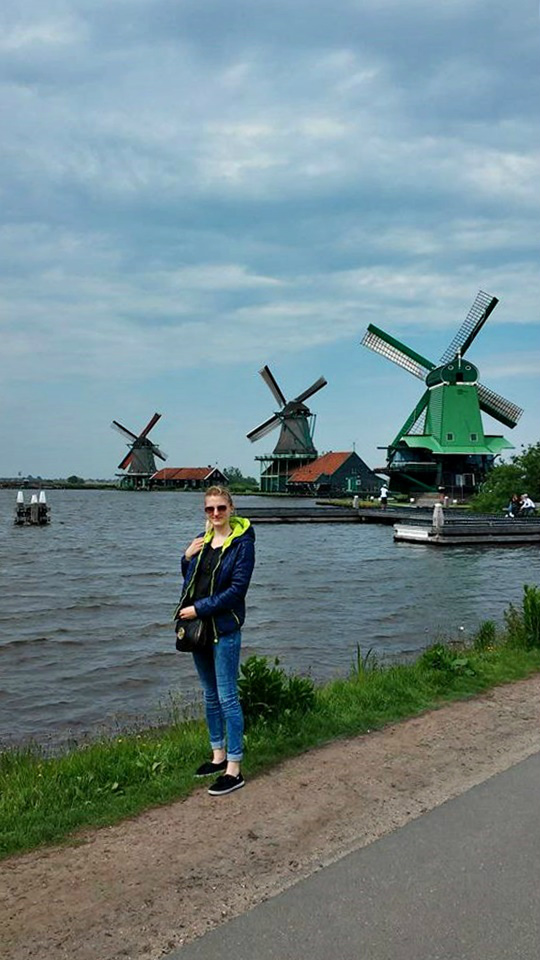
(437, 657)
(443, 660)
(299, 694)
(515, 631)
(523, 626)
(267, 692)
(531, 615)
(486, 636)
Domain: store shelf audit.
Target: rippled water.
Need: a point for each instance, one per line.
(85, 605)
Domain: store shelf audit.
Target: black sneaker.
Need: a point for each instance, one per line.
(226, 784)
(209, 768)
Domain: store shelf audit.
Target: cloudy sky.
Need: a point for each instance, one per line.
(192, 188)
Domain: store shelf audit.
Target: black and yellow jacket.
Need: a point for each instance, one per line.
(225, 607)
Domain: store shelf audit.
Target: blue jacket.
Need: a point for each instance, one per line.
(225, 608)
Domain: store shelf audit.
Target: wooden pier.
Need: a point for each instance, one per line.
(493, 531)
(414, 524)
(331, 514)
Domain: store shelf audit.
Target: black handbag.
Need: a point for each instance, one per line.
(191, 635)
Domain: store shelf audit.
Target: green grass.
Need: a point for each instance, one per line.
(47, 799)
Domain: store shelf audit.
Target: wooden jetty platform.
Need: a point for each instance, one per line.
(413, 524)
(494, 531)
(330, 514)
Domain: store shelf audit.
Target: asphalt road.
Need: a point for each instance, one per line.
(460, 883)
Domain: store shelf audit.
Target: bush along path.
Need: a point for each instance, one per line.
(44, 800)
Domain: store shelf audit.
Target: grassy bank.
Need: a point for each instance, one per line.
(46, 799)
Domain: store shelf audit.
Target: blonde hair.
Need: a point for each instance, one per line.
(218, 491)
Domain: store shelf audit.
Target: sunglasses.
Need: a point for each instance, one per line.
(221, 508)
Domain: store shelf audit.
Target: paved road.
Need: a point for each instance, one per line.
(460, 883)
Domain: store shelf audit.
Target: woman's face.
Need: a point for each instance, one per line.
(218, 511)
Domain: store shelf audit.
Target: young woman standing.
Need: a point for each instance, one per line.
(217, 568)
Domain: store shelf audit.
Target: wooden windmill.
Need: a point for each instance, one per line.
(295, 445)
(442, 442)
(139, 462)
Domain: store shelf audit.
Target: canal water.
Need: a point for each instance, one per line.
(86, 640)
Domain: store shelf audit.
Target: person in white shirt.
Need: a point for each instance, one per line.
(527, 505)
(383, 496)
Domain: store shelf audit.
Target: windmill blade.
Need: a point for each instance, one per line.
(483, 305)
(123, 430)
(271, 383)
(502, 410)
(126, 461)
(314, 388)
(264, 428)
(412, 419)
(151, 423)
(380, 342)
(158, 453)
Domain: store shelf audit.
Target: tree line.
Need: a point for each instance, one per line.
(520, 475)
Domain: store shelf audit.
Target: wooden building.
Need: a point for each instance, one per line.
(188, 478)
(335, 474)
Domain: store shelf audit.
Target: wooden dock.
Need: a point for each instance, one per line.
(493, 531)
(331, 514)
(413, 524)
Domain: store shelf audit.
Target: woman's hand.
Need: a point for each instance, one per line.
(188, 613)
(194, 547)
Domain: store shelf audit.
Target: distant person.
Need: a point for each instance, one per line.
(383, 496)
(217, 568)
(527, 506)
(514, 506)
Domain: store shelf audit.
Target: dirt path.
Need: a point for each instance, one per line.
(140, 889)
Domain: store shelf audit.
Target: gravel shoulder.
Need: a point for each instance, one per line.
(148, 885)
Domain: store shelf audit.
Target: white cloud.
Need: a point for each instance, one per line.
(505, 175)
(27, 37)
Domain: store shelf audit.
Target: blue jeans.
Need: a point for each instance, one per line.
(218, 673)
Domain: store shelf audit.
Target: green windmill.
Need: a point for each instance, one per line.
(442, 442)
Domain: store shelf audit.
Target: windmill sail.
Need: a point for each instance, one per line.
(151, 423)
(502, 410)
(314, 388)
(272, 385)
(483, 305)
(380, 342)
(266, 427)
(123, 430)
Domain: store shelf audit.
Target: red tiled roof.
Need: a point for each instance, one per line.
(327, 464)
(183, 473)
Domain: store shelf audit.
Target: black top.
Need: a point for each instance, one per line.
(205, 571)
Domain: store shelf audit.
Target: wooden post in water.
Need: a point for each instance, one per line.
(20, 509)
(438, 516)
(34, 509)
(43, 509)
